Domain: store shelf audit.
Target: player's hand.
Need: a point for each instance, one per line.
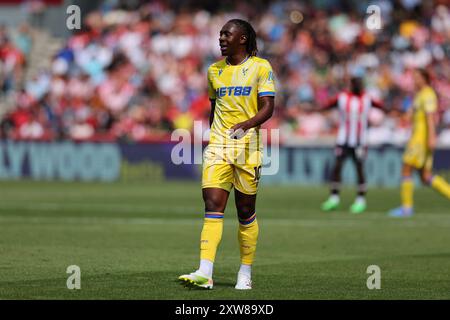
(239, 130)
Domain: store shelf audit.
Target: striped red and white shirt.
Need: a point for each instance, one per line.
(353, 117)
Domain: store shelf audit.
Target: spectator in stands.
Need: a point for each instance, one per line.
(139, 73)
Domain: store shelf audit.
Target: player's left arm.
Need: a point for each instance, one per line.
(430, 107)
(266, 106)
(431, 127)
(266, 99)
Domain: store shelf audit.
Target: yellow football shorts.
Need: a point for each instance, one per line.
(417, 155)
(225, 167)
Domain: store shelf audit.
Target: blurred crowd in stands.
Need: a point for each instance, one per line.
(137, 71)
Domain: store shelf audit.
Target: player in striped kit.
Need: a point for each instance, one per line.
(354, 107)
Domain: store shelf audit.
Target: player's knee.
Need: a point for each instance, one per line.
(426, 177)
(406, 171)
(245, 211)
(214, 203)
(359, 163)
(338, 165)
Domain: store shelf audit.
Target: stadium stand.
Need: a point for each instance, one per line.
(136, 72)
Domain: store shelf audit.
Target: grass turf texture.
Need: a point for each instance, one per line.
(132, 241)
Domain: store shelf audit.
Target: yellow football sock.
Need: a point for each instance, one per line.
(440, 185)
(248, 237)
(407, 191)
(211, 235)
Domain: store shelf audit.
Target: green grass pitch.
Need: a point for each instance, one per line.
(132, 241)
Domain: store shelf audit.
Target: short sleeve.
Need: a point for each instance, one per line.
(211, 91)
(266, 81)
(429, 102)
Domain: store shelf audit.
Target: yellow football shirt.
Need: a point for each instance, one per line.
(425, 101)
(235, 89)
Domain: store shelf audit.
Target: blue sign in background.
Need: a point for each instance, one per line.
(60, 161)
(69, 161)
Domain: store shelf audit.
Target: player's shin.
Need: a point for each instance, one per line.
(248, 237)
(440, 185)
(362, 190)
(407, 192)
(209, 241)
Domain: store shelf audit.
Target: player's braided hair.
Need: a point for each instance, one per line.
(425, 74)
(249, 32)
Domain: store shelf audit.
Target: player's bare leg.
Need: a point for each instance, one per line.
(333, 200)
(359, 205)
(436, 182)
(406, 192)
(247, 236)
(215, 202)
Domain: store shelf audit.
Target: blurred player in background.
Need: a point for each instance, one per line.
(419, 150)
(354, 107)
(241, 90)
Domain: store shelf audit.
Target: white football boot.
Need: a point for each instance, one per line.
(244, 282)
(196, 279)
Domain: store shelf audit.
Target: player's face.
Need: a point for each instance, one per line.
(230, 39)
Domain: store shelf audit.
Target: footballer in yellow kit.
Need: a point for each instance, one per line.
(241, 90)
(235, 88)
(418, 153)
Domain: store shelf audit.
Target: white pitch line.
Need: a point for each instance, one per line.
(121, 208)
(198, 221)
(164, 208)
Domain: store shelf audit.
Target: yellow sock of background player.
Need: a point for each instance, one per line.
(407, 192)
(439, 184)
(210, 240)
(248, 237)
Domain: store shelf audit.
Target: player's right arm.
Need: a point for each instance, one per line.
(211, 115)
(212, 97)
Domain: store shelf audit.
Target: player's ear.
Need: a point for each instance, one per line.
(243, 39)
